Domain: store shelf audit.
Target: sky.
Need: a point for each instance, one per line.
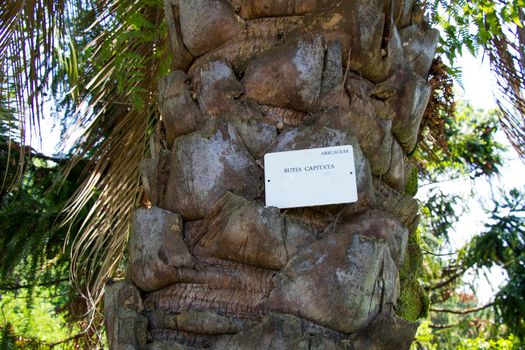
(50, 132)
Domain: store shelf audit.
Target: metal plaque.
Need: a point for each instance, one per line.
(309, 177)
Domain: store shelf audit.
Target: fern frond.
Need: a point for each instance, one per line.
(121, 113)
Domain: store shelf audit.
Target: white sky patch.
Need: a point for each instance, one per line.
(49, 137)
(478, 81)
(51, 142)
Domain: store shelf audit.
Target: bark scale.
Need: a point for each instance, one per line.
(209, 265)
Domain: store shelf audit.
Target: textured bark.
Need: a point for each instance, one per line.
(288, 76)
(215, 267)
(156, 249)
(180, 114)
(126, 328)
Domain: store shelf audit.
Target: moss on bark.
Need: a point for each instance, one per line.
(413, 302)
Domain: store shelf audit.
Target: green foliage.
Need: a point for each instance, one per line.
(498, 28)
(10, 340)
(430, 339)
(472, 144)
(124, 61)
(503, 244)
(459, 322)
(510, 343)
(424, 338)
(470, 150)
(471, 147)
(29, 236)
(456, 320)
(471, 24)
(98, 69)
(35, 293)
(441, 211)
(10, 165)
(131, 57)
(39, 322)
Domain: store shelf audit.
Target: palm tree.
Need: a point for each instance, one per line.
(214, 266)
(209, 265)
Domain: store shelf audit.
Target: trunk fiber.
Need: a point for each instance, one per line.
(209, 265)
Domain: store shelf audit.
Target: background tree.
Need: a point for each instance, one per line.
(34, 268)
(457, 320)
(497, 28)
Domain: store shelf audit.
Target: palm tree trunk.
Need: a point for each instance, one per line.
(209, 265)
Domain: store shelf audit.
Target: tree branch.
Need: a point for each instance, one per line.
(23, 286)
(436, 254)
(445, 282)
(444, 326)
(462, 312)
(34, 153)
(67, 340)
(39, 155)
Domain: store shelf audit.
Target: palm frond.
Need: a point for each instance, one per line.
(110, 191)
(507, 58)
(121, 112)
(31, 33)
(27, 38)
(110, 82)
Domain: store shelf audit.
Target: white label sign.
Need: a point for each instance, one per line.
(309, 177)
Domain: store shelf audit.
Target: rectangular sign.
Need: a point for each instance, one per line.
(309, 177)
